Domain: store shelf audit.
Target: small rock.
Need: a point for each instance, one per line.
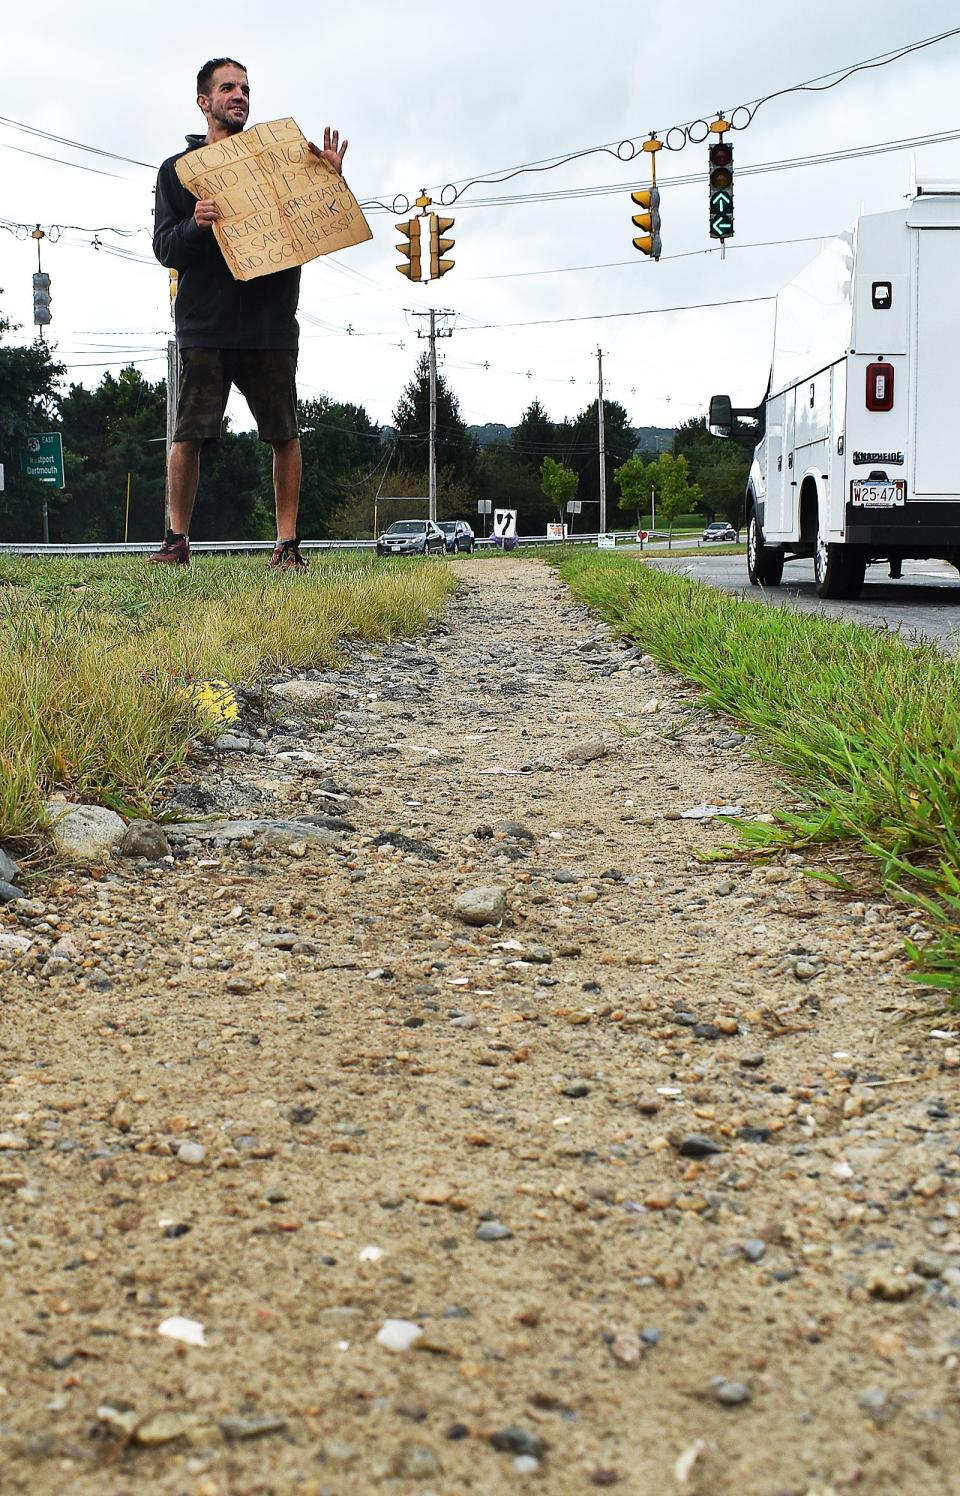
(481, 906)
(730, 1394)
(928, 1186)
(587, 751)
(519, 1441)
(250, 1426)
(8, 868)
(12, 1142)
(515, 831)
(753, 1248)
(627, 1348)
(493, 1231)
(398, 1334)
(191, 1153)
(9, 892)
(314, 699)
(144, 839)
(890, 1286)
(697, 1145)
(84, 832)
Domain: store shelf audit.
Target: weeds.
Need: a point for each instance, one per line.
(865, 723)
(96, 650)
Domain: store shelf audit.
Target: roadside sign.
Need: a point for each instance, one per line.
(606, 542)
(1, 477)
(643, 535)
(42, 457)
(504, 523)
(556, 532)
(484, 506)
(574, 506)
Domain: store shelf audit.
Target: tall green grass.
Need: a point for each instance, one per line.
(866, 724)
(96, 652)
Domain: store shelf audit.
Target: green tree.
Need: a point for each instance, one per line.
(635, 479)
(340, 446)
(28, 403)
(720, 467)
(582, 440)
(677, 495)
(559, 483)
(456, 448)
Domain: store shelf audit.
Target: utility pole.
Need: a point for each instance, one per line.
(433, 334)
(603, 455)
(432, 487)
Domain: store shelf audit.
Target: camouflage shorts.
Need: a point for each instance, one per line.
(266, 377)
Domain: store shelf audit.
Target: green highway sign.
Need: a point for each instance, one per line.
(42, 458)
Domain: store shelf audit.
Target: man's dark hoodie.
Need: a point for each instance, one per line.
(212, 309)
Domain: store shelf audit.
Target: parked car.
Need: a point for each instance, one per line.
(718, 532)
(411, 537)
(457, 534)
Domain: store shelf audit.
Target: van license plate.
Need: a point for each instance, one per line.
(878, 495)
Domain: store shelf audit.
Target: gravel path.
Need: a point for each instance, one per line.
(657, 1175)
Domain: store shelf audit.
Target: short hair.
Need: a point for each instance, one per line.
(205, 75)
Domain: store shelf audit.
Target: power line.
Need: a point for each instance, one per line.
(626, 149)
(653, 311)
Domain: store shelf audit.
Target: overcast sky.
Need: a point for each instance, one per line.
(430, 93)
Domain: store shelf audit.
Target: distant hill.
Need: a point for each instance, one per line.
(649, 438)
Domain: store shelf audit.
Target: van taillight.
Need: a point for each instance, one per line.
(880, 386)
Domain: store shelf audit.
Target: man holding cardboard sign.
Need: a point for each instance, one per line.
(237, 214)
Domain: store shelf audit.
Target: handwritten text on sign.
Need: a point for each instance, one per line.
(280, 205)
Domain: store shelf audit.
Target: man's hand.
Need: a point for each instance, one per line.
(333, 152)
(206, 213)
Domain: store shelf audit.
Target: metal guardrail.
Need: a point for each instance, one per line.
(243, 547)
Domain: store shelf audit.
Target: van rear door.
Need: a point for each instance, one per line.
(935, 446)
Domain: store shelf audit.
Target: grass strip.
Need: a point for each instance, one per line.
(867, 725)
(96, 652)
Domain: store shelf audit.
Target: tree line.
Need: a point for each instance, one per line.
(356, 478)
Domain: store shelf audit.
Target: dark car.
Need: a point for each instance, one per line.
(718, 532)
(457, 534)
(411, 537)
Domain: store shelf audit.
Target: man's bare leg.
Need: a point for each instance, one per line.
(287, 472)
(183, 475)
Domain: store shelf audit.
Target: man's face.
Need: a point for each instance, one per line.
(228, 102)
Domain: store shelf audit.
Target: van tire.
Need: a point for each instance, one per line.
(838, 570)
(764, 565)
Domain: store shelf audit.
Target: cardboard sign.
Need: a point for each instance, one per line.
(280, 205)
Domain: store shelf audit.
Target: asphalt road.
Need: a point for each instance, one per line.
(926, 602)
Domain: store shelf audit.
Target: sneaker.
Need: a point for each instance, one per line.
(286, 556)
(175, 551)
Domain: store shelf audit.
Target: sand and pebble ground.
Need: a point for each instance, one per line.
(433, 1119)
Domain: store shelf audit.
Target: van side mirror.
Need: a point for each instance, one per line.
(720, 418)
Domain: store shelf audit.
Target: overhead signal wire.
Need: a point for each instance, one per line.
(689, 133)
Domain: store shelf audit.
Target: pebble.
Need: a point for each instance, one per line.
(730, 1394)
(753, 1248)
(493, 1231)
(191, 1153)
(485, 905)
(398, 1334)
(8, 868)
(697, 1145)
(9, 893)
(518, 1441)
(250, 1426)
(145, 839)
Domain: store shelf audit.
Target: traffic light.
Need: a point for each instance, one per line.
(174, 283)
(720, 156)
(649, 242)
(41, 298)
(439, 246)
(411, 249)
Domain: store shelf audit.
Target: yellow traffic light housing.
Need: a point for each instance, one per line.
(649, 221)
(174, 283)
(411, 249)
(439, 246)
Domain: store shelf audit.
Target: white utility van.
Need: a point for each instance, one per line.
(859, 457)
